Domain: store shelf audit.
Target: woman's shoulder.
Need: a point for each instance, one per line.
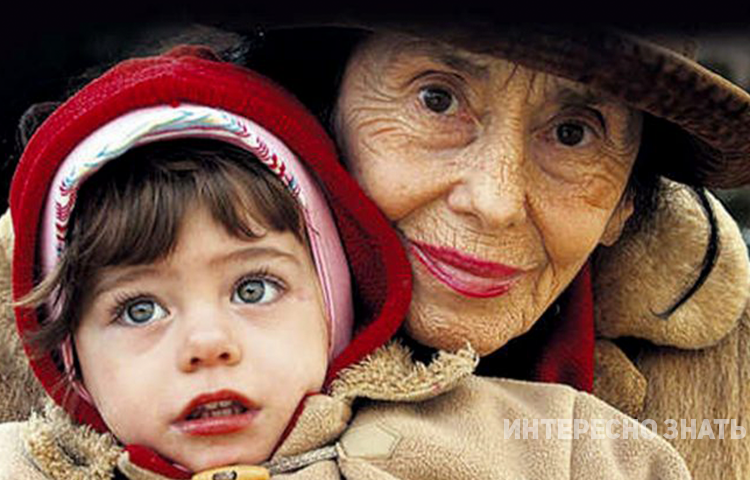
(503, 428)
(644, 273)
(596, 438)
(525, 398)
(527, 402)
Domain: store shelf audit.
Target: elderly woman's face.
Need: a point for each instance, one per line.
(502, 180)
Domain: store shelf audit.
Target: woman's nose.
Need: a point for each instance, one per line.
(209, 345)
(491, 189)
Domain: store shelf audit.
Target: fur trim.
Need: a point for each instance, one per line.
(702, 386)
(389, 374)
(65, 451)
(321, 421)
(134, 472)
(643, 274)
(616, 380)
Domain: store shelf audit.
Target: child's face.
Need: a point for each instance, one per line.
(222, 319)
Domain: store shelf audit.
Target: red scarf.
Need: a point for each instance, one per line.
(559, 348)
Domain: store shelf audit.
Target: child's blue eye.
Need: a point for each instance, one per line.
(142, 312)
(256, 290)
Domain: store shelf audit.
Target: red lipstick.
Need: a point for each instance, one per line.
(467, 275)
(217, 413)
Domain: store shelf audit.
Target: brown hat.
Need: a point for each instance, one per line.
(705, 139)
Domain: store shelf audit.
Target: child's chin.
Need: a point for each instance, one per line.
(222, 456)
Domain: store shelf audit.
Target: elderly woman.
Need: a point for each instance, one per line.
(524, 170)
(501, 179)
(510, 161)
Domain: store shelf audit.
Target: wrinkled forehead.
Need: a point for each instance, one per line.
(395, 59)
(394, 54)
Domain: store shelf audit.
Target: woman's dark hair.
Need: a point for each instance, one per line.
(646, 190)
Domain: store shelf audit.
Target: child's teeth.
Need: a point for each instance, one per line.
(218, 409)
(221, 413)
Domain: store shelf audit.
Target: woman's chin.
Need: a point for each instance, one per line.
(443, 319)
(453, 330)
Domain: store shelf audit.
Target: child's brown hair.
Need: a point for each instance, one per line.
(130, 212)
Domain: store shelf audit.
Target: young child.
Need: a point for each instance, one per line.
(189, 237)
(195, 285)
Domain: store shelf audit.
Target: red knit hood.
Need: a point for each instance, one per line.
(380, 271)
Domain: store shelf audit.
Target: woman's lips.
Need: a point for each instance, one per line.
(465, 274)
(217, 413)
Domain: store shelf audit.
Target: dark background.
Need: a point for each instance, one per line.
(45, 54)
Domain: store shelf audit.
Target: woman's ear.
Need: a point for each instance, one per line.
(617, 221)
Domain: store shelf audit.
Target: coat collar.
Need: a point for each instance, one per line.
(645, 273)
(65, 450)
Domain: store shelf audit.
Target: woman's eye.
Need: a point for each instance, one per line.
(256, 290)
(571, 134)
(142, 312)
(438, 100)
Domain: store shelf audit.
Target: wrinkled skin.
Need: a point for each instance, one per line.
(490, 162)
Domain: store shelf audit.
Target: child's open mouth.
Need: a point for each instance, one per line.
(216, 413)
(223, 408)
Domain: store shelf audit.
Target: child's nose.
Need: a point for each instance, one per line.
(209, 348)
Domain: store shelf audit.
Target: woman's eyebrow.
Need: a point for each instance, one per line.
(462, 64)
(570, 96)
(573, 98)
(587, 97)
(446, 55)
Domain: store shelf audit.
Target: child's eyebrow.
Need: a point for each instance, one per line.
(109, 280)
(252, 253)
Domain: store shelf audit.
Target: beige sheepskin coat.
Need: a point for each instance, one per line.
(692, 366)
(416, 422)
